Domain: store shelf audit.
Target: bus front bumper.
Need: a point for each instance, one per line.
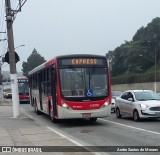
(64, 113)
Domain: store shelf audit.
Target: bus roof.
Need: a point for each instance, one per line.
(53, 60)
(81, 55)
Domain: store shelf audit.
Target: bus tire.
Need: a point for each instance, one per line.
(53, 119)
(36, 108)
(93, 119)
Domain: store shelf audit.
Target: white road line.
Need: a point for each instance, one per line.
(128, 126)
(71, 140)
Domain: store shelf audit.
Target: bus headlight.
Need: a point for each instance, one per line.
(64, 105)
(105, 104)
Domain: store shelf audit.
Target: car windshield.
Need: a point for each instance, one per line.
(146, 95)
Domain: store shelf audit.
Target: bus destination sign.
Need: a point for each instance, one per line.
(82, 61)
(22, 80)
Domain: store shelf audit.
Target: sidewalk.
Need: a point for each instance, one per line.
(25, 131)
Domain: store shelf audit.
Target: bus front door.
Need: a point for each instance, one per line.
(53, 92)
(40, 90)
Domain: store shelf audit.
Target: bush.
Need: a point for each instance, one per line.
(135, 78)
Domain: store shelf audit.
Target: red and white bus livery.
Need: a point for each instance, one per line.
(72, 86)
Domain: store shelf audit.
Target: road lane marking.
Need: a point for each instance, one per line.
(128, 126)
(73, 141)
(62, 135)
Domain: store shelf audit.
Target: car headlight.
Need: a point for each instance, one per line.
(143, 106)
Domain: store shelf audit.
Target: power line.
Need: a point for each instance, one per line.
(19, 7)
(15, 10)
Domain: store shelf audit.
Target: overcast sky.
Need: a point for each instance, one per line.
(58, 27)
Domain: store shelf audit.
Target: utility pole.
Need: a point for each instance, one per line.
(1, 62)
(1, 86)
(13, 72)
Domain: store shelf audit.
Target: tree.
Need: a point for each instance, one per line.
(135, 56)
(34, 60)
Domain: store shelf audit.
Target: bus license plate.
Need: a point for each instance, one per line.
(86, 114)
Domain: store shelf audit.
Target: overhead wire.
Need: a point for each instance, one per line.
(15, 5)
(18, 8)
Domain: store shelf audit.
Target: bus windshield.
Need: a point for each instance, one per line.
(84, 82)
(23, 88)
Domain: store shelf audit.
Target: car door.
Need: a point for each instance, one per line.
(122, 103)
(129, 104)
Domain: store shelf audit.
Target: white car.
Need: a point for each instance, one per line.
(138, 104)
(7, 95)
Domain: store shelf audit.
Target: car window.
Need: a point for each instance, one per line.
(125, 96)
(130, 95)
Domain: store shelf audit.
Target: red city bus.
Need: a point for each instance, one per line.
(23, 89)
(72, 86)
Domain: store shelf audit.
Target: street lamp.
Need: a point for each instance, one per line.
(155, 84)
(19, 46)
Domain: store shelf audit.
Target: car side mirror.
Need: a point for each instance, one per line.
(130, 99)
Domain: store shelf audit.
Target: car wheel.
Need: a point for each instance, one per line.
(135, 115)
(118, 114)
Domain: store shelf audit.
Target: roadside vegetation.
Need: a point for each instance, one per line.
(34, 60)
(135, 60)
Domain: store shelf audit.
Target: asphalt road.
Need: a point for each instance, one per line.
(108, 131)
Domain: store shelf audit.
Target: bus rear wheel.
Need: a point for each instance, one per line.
(36, 108)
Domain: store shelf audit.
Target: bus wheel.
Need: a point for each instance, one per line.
(36, 108)
(53, 119)
(93, 119)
